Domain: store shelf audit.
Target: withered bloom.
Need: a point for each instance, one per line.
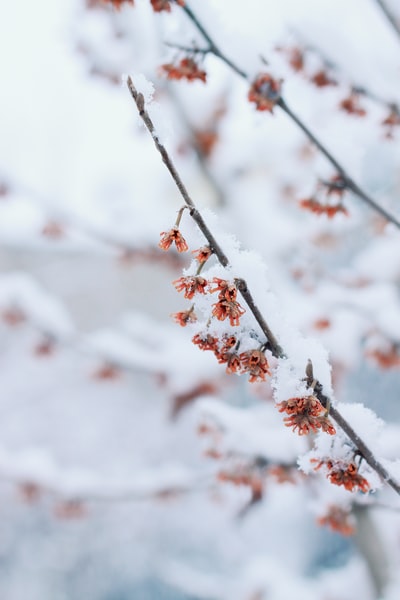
(265, 92)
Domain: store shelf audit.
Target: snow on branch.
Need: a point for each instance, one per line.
(308, 410)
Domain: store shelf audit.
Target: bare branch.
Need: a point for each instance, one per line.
(389, 16)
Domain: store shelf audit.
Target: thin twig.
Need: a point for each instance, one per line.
(273, 344)
(389, 16)
(350, 184)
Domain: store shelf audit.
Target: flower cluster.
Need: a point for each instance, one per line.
(265, 92)
(351, 105)
(335, 186)
(227, 306)
(186, 68)
(342, 473)
(315, 206)
(244, 476)
(252, 362)
(338, 519)
(306, 414)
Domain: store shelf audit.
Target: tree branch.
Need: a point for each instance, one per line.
(389, 16)
(351, 185)
(273, 344)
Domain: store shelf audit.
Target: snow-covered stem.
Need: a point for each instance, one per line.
(349, 183)
(389, 16)
(271, 343)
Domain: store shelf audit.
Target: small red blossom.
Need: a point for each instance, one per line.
(161, 5)
(338, 519)
(265, 92)
(227, 355)
(29, 491)
(306, 414)
(184, 317)
(391, 121)
(206, 342)
(330, 210)
(191, 285)
(205, 141)
(225, 309)
(202, 254)
(322, 323)
(345, 474)
(119, 3)
(187, 68)
(322, 79)
(296, 59)
(53, 230)
(173, 236)
(255, 364)
(44, 348)
(233, 363)
(13, 316)
(107, 372)
(283, 473)
(70, 509)
(351, 105)
(227, 291)
(386, 359)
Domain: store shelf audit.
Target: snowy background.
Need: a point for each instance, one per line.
(107, 490)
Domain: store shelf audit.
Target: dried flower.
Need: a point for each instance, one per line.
(187, 68)
(191, 285)
(351, 105)
(227, 291)
(225, 309)
(391, 121)
(338, 519)
(296, 59)
(70, 509)
(107, 372)
(322, 323)
(205, 141)
(173, 236)
(184, 317)
(255, 363)
(345, 474)
(386, 359)
(161, 5)
(53, 230)
(330, 210)
(13, 315)
(119, 3)
(322, 79)
(202, 254)
(265, 92)
(207, 342)
(306, 414)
